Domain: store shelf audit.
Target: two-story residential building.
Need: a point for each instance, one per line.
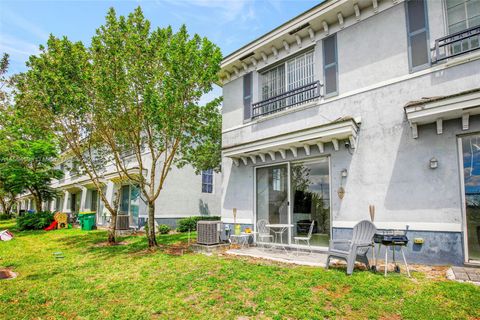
(359, 103)
(184, 194)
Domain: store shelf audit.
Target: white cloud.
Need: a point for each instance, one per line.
(23, 24)
(19, 50)
(225, 10)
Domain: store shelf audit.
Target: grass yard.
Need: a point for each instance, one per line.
(128, 282)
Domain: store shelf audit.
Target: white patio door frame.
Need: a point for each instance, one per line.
(289, 193)
(462, 194)
(288, 196)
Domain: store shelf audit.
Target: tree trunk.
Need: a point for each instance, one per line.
(38, 202)
(3, 207)
(152, 241)
(112, 230)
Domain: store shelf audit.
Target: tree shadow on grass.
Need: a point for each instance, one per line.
(134, 246)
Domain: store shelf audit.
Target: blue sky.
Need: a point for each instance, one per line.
(24, 25)
(230, 24)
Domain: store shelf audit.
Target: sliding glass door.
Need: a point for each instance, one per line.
(130, 201)
(272, 195)
(296, 193)
(471, 174)
(310, 183)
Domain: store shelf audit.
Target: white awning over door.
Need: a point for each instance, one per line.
(438, 109)
(316, 137)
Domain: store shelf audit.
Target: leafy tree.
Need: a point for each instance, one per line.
(27, 154)
(131, 99)
(56, 93)
(147, 88)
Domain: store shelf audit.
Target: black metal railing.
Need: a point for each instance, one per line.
(286, 100)
(456, 44)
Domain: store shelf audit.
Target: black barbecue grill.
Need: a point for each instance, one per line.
(391, 238)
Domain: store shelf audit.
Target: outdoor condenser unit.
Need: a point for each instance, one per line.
(209, 232)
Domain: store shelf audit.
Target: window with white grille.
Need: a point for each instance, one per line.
(462, 15)
(299, 72)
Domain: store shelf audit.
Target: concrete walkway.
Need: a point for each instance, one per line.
(464, 274)
(315, 259)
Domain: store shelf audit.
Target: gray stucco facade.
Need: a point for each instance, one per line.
(389, 167)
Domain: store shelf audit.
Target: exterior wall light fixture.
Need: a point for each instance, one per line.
(433, 163)
(344, 173)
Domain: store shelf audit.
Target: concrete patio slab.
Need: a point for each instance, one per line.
(464, 274)
(315, 259)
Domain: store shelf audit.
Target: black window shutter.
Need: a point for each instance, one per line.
(330, 65)
(247, 95)
(417, 27)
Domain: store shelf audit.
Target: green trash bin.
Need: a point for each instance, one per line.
(87, 220)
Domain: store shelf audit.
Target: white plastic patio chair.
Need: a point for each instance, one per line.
(263, 232)
(305, 239)
(357, 248)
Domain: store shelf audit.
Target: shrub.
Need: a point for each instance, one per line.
(4, 216)
(163, 229)
(35, 221)
(190, 223)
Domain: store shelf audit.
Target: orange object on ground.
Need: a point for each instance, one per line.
(52, 226)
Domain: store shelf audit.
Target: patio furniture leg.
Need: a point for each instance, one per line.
(405, 261)
(386, 260)
(309, 246)
(351, 261)
(296, 243)
(373, 256)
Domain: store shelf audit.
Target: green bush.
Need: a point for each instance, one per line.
(163, 229)
(190, 223)
(35, 221)
(4, 216)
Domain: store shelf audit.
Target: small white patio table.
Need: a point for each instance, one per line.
(278, 230)
(241, 239)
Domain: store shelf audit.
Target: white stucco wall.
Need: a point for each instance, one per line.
(389, 168)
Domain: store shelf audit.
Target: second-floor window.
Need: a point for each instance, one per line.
(417, 32)
(461, 15)
(294, 73)
(207, 181)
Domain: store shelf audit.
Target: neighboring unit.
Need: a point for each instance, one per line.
(184, 194)
(356, 103)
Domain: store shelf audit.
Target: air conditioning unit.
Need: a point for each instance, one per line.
(209, 232)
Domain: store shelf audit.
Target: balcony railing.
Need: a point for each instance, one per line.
(286, 100)
(456, 44)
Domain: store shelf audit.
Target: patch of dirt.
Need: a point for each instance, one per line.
(108, 244)
(6, 274)
(431, 272)
(177, 249)
(391, 317)
(339, 291)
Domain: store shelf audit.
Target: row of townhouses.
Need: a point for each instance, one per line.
(185, 194)
(359, 103)
(351, 105)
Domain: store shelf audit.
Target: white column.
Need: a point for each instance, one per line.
(110, 192)
(83, 199)
(66, 200)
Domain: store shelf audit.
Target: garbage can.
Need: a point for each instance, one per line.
(86, 220)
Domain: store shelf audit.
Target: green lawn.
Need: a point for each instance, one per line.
(128, 282)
